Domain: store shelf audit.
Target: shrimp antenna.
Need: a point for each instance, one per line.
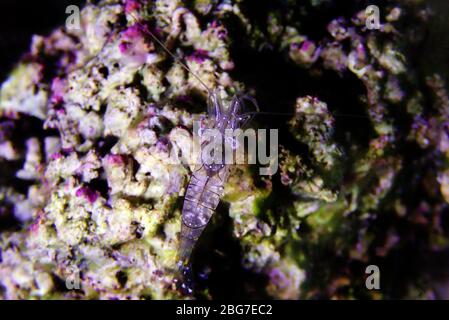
(153, 36)
(306, 113)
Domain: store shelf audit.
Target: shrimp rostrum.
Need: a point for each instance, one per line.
(207, 181)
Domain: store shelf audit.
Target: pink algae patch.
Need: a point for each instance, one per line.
(132, 5)
(116, 159)
(88, 194)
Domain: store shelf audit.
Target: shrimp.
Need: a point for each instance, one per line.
(206, 185)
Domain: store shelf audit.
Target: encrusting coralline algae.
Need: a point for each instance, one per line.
(89, 118)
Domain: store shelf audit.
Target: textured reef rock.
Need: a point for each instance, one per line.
(89, 207)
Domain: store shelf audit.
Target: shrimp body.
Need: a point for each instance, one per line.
(206, 186)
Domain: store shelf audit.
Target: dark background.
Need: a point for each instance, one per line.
(19, 20)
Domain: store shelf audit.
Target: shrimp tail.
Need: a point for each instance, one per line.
(187, 243)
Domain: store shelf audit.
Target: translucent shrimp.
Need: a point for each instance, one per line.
(206, 185)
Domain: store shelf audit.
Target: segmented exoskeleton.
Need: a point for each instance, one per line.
(206, 185)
